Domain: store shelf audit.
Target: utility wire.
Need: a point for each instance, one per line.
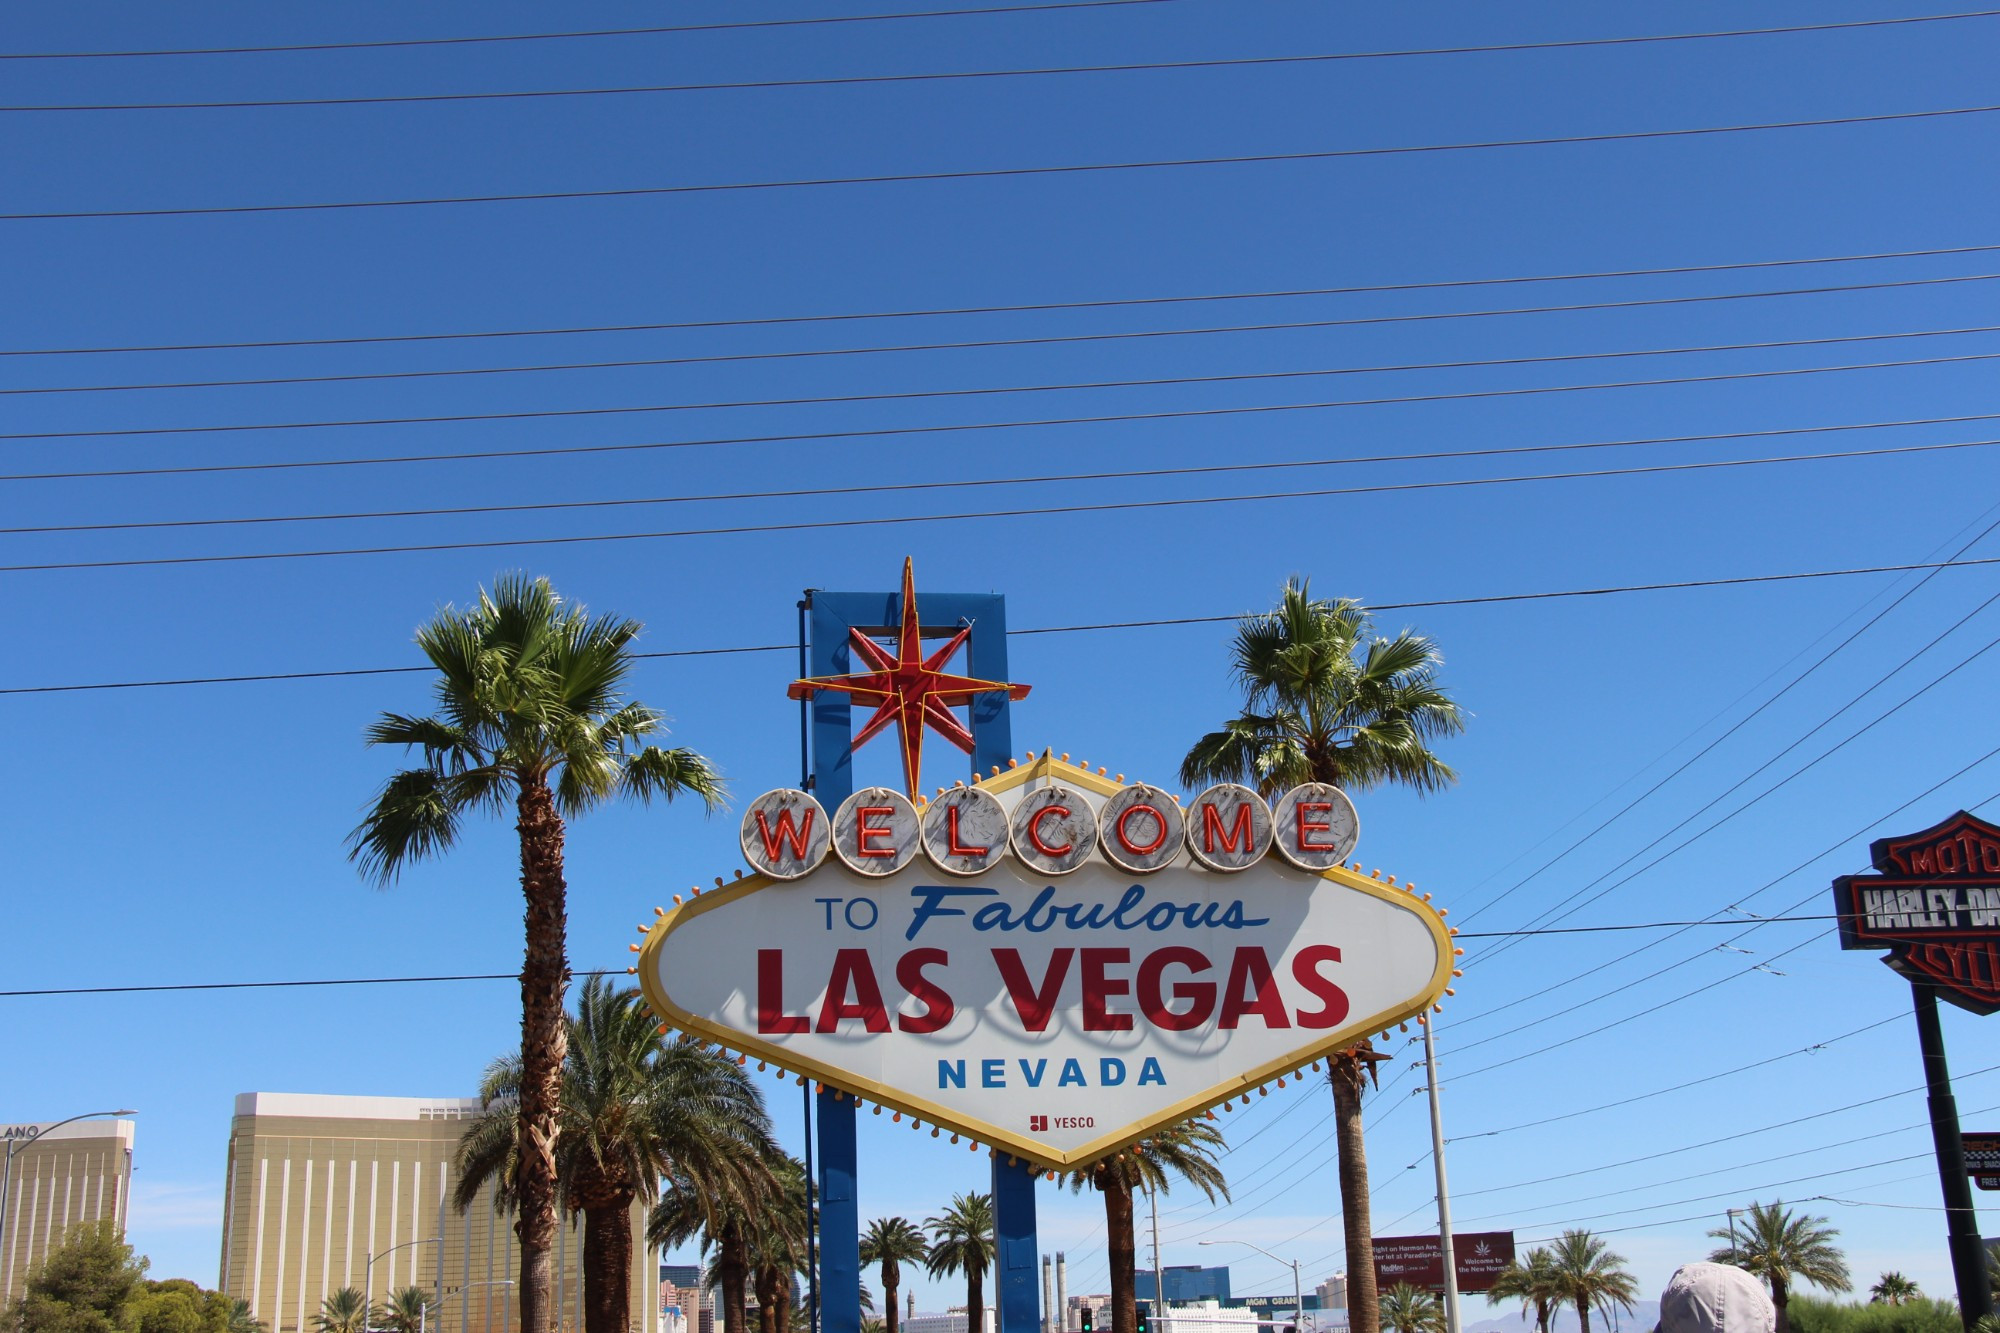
(1497, 599)
(999, 173)
(900, 520)
(737, 25)
(558, 506)
(721, 358)
(1035, 307)
(1169, 381)
(1566, 44)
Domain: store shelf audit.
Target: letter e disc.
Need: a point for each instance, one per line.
(965, 830)
(785, 833)
(1139, 829)
(876, 831)
(1316, 826)
(1054, 830)
(1228, 827)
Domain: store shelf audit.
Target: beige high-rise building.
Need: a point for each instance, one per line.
(317, 1185)
(79, 1172)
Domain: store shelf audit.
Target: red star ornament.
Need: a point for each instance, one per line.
(909, 689)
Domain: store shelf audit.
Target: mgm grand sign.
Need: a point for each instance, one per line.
(1934, 903)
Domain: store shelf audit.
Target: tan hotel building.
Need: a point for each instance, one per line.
(318, 1184)
(79, 1172)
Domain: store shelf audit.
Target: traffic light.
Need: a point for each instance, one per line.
(1145, 1320)
(1087, 1326)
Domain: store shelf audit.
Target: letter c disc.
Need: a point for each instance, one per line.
(1054, 830)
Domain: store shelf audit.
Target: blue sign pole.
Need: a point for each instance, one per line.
(834, 614)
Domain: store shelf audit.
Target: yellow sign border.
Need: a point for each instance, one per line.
(1038, 1154)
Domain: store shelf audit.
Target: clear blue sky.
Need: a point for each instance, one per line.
(195, 833)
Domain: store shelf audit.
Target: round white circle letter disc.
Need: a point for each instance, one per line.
(1054, 830)
(1316, 826)
(965, 830)
(1139, 829)
(785, 833)
(1228, 827)
(876, 831)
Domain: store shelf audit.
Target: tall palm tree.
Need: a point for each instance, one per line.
(635, 1107)
(403, 1311)
(685, 1213)
(1406, 1309)
(1531, 1280)
(1590, 1277)
(530, 710)
(892, 1242)
(1327, 700)
(1781, 1246)
(777, 1239)
(241, 1320)
(962, 1242)
(1184, 1150)
(1894, 1289)
(346, 1311)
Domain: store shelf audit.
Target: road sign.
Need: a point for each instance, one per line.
(1478, 1256)
(1059, 1002)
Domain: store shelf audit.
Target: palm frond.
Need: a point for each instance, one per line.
(412, 818)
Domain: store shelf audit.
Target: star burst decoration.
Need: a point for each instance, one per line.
(909, 690)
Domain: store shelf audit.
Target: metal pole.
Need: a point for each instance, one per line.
(1968, 1254)
(1062, 1292)
(1444, 1194)
(1298, 1300)
(1159, 1288)
(812, 1181)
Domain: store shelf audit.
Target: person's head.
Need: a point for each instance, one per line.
(1715, 1298)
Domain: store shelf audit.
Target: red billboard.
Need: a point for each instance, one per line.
(1418, 1260)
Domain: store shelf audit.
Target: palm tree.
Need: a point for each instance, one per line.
(1409, 1310)
(777, 1242)
(635, 1107)
(962, 1242)
(1589, 1276)
(1183, 1150)
(1532, 1281)
(892, 1242)
(1325, 700)
(241, 1320)
(1894, 1289)
(1780, 1245)
(403, 1312)
(346, 1311)
(530, 707)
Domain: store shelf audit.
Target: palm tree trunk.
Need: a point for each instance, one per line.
(1583, 1316)
(1782, 1300)
(782, 1303)
(767, 1299)
(732, 1273)
(1123, 1253)
(1364, 1314)
(544, 1043)
(892, 1277)
(975, 1299)
(607, 1268)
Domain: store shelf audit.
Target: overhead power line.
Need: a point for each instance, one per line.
(1003, 173)
(1365, 289)
(1494, 600)
(1175, 381)
(981, 344)
(901, 520)
(1566, 44)
(906, 487)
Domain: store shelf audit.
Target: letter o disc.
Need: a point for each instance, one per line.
(1054, 830)
(876, 831)
(1140, 829)
(1228, 827)
(785, 833)
(1316, 826)
(965, 830)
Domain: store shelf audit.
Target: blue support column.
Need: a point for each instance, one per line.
(1016, 1295)
(839, 1218)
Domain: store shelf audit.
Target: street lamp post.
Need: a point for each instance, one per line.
(368, 1269)
(7, 1172)
(1298, 1295)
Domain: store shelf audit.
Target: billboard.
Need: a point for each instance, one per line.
(1419, 1260)
(1934, 903)
(1050, 962)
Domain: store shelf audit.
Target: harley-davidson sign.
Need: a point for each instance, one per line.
(1935, 905)
(1049, 962)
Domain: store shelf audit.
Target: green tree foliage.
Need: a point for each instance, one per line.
(531, 716)
(346, 1311)
(89, 1283)
(1784, 1246)
(1406, 1309)
(892, 1242)
(403, 1311)
(1532, 1280)
(1918, 1314)
(1185, 1150)
(1327, 700)
(1591, 1277)
(1894, 1289)
(962, 1242)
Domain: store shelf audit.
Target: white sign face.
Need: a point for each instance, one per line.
(1056, 1016)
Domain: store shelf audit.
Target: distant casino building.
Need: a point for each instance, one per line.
(79, 1172)
(315, 1185)
(1185, 1282)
